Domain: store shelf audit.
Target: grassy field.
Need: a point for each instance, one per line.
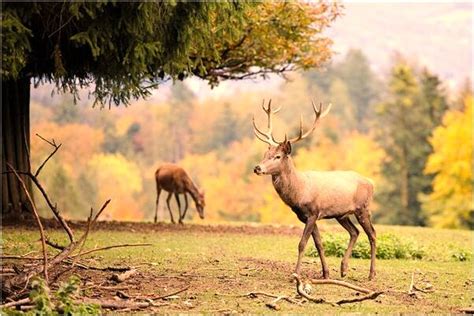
(222, 263)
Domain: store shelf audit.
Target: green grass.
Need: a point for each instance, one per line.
(239, 263)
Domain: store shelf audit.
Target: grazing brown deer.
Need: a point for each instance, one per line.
(315, 195)
(175, 180)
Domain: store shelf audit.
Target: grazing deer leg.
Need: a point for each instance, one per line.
(353, 232)
(180, 220)
(185, 205)
(158, 191)
(308, 229)
(363, 218)
(169, 208)
(320, 249)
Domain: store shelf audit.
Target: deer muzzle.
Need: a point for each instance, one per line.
(258, 170)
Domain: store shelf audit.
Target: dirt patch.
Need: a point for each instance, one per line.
(247, 229)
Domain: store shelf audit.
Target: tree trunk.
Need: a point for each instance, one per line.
(15, 146)
(404, 189)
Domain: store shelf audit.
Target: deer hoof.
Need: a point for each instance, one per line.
(343, 269)
(181, 222)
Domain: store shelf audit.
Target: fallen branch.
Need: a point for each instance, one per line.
(168, 295)
(271, 304)
(123, 276)
(342, 283)
(88, 267)
(300, 290)
(370, 294)
(422, 290)
(467, 310)
(19, 257)
(118, 304)
(110, 247)
(16, 303)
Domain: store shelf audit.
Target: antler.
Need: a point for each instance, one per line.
(266, 137)
(319, 114)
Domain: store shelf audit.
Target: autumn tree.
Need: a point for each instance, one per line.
(123, 50)
(178, 125)
(450, 203)
(354, 75)
(413, 108)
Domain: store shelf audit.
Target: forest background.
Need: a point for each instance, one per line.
(398, 117)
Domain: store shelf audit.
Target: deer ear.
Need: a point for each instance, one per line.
(287, 147)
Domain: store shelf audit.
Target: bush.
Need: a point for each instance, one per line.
(461, 255)
(389, 246)
(64, 300)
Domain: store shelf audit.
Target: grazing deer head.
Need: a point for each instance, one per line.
(200, 203)
(314, 195)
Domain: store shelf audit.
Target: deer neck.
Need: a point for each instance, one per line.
(287, 183)
(193, 191)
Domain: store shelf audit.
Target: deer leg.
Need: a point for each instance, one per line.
(169, 208)
(179, 207)
(308, 229)
(158, 191)
(320, 249)
(185, 205)
(353, 232)
(364, 220)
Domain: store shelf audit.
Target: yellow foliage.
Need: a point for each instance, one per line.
(450, 203)
(79, 143)
(117, 179)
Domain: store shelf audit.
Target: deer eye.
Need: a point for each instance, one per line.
(277, 157)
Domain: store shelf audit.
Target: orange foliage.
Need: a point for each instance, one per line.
(79, 143)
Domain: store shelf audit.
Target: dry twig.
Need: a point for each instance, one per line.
(38, 221)
(110, 247)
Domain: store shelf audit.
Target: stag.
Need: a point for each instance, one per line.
(314, 195)
(175, 180)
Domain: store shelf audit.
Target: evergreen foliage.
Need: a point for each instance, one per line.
(126, 49)
(414, 107)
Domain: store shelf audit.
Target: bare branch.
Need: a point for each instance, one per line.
(46, 160)
(38, 221)
(54, 244)
(110, 247)
(53, 208)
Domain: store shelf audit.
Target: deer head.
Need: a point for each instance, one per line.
(200, 203)
(278, 153)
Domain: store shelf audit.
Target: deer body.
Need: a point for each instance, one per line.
(328, 194)
(314, 195)
(175, 180)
